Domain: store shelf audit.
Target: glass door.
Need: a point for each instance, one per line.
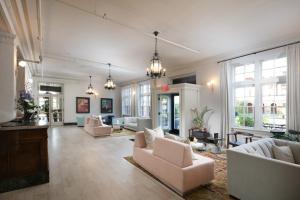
(51, 109)
(164, 112)
(56, 111)
(43, 102)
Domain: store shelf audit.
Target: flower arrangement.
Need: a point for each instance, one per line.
(26, 105)
(198, 120)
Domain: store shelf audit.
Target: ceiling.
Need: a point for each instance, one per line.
(77, 41)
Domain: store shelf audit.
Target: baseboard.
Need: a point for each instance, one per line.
(70, 123)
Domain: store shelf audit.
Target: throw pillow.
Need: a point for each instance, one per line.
(151, 134)
(283, 153)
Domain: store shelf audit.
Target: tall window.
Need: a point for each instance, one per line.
(144, 99)
(126, 101)
(259, 90)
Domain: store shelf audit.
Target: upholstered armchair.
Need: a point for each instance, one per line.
(95, 127)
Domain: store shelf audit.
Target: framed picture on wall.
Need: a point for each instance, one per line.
(106, 105)
(82, 105)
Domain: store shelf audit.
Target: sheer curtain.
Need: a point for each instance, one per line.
(226, 97)
(293, 87)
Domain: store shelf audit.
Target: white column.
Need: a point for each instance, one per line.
(7, 77)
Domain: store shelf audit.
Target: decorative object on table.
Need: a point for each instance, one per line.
(106, 105)
(199, 120)
(26, 106)
(236, 142)
(109, 85)
(82, 105)
(199, 134)
(156, 70)
(90, 90)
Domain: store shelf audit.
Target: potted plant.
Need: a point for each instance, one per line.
(199, 123)
(26, 105)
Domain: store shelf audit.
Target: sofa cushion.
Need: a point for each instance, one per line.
(150, 135)
(172, 151)
(283, 153)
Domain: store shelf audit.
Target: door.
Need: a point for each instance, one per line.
(51, 108)
(175, 113)
(56, 111)
(164, 113)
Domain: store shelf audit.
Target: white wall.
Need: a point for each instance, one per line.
(7, 77)
(77, 88)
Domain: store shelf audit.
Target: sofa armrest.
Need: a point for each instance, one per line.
(255, 177)
(140, 140)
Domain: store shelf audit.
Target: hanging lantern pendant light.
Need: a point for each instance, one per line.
(90, 90)
(109, 85)
(156, 70)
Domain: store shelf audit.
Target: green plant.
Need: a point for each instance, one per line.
(198, 120)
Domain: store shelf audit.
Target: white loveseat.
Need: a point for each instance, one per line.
(254, 173)
(137, 123)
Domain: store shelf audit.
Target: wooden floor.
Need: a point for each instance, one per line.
(83, 167)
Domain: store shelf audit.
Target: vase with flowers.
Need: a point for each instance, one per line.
(26, 106)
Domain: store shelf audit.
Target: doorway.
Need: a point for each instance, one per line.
(51, 103)
(169, 112)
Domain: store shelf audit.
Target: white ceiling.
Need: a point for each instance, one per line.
(75, 42)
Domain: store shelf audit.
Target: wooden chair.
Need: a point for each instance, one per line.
(248, 138)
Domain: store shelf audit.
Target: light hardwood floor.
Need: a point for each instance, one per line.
(83, 167)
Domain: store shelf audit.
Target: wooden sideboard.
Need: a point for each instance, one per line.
(23, 155)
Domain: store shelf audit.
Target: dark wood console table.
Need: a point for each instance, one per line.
(23, 155)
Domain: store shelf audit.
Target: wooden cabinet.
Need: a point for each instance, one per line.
(23, 158)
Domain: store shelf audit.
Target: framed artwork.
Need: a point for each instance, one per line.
(82, 105)
(106, 105)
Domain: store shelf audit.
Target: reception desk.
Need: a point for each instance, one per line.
(23, 155)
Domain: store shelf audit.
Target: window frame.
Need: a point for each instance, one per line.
(140, 96)
(258, 83)
(126, 95)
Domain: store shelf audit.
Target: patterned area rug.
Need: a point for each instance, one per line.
(217, 190)
(123, 132)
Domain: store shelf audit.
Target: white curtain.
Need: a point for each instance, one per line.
(226, 97)
(293, 87)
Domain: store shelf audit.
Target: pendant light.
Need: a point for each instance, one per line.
(90, 90)
(156, 70)
(109, 85)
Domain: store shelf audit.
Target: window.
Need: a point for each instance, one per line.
(144, 99)
(126, 101)
(259, 94)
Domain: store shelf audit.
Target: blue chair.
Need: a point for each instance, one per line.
(80, 121)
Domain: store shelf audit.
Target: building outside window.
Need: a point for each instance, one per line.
(144, 99)
(126, 101)
(259, 94)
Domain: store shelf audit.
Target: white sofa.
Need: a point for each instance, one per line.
(262, 177)
(137, 123)
(171, 162)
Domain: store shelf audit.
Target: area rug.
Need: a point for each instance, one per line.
(217, 190)
(123, 132)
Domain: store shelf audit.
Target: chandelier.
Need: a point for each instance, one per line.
(156, 71)
(90, 90)
(109, 85)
